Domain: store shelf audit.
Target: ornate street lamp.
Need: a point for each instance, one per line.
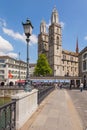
(28, 31)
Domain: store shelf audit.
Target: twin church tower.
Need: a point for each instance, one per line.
(62, 62)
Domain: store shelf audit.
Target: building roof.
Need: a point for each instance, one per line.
(8, 57)
(84, 50)
(32, 64)
(69, 53)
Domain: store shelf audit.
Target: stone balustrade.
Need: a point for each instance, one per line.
(9, 92)
(26, 105)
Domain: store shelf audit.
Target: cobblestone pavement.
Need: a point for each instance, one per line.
(80, 101)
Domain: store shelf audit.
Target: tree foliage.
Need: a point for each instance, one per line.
(42, 68)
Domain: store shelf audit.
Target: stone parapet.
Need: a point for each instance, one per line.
(26, 105)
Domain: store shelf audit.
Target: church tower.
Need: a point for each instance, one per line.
(55, 44)
(43, 39)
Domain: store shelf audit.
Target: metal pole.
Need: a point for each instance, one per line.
(27, 75)
(19, 67)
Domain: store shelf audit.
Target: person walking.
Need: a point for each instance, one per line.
(81, 87)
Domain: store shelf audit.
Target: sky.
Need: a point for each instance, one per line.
(72, 17)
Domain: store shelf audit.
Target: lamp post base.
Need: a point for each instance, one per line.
(28, 86)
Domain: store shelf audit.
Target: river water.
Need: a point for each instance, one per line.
(4, 100)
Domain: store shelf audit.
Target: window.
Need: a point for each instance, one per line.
(55, 18)
(63, 68)
(71, 58)
(1, 71)
(75, 69)
(64, 57)
(85, 56)
(71, 68)
(57, 30)
(57, 40)
(2, 61)
(63, 62)
(2, 77)
(84, 65)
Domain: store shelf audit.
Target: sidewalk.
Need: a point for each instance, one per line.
(56, 112)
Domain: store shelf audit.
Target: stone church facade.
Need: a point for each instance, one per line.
(62, 62)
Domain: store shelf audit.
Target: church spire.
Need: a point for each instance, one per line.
(77, 48)
(43, 27)
(54, 16)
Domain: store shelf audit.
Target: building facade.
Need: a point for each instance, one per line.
(62, 62)
(12, 70)
(83, 65)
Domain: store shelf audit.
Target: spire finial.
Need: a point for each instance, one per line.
(77, 48)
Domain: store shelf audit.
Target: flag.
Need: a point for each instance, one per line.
(10, 75)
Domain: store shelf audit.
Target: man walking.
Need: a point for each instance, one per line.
(81, 87)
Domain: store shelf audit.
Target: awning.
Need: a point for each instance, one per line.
(20, 81)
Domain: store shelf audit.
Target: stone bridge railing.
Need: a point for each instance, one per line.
(26, 103)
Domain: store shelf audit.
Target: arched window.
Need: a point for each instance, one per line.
(84, 65)
(85, 56)
(54, 18)
(57, 42)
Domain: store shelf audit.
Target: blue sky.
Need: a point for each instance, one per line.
(72, 15)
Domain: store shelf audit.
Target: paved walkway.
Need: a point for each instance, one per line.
(56, 112)
(80, 102)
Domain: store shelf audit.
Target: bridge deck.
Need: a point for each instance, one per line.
(56, 112)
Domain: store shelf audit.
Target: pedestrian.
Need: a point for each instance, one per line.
(60, 85)
(70, 86)
(81, 87)
(56, 85)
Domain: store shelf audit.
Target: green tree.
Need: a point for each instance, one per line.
(42, 67)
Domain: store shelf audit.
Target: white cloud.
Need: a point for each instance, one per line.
(33, 39)
(47, 25)
(6, 48)
(2, 22)
(18, 36)
(85, 37)
(5, 45)
(13, 34)
(13, 55)
(2, 53)
(62, 24)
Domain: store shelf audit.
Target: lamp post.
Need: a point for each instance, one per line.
(19, 70)
(28, 31)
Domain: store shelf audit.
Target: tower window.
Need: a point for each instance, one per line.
(55, 18)
(84, 65)
(57, 42)
(57, 30)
